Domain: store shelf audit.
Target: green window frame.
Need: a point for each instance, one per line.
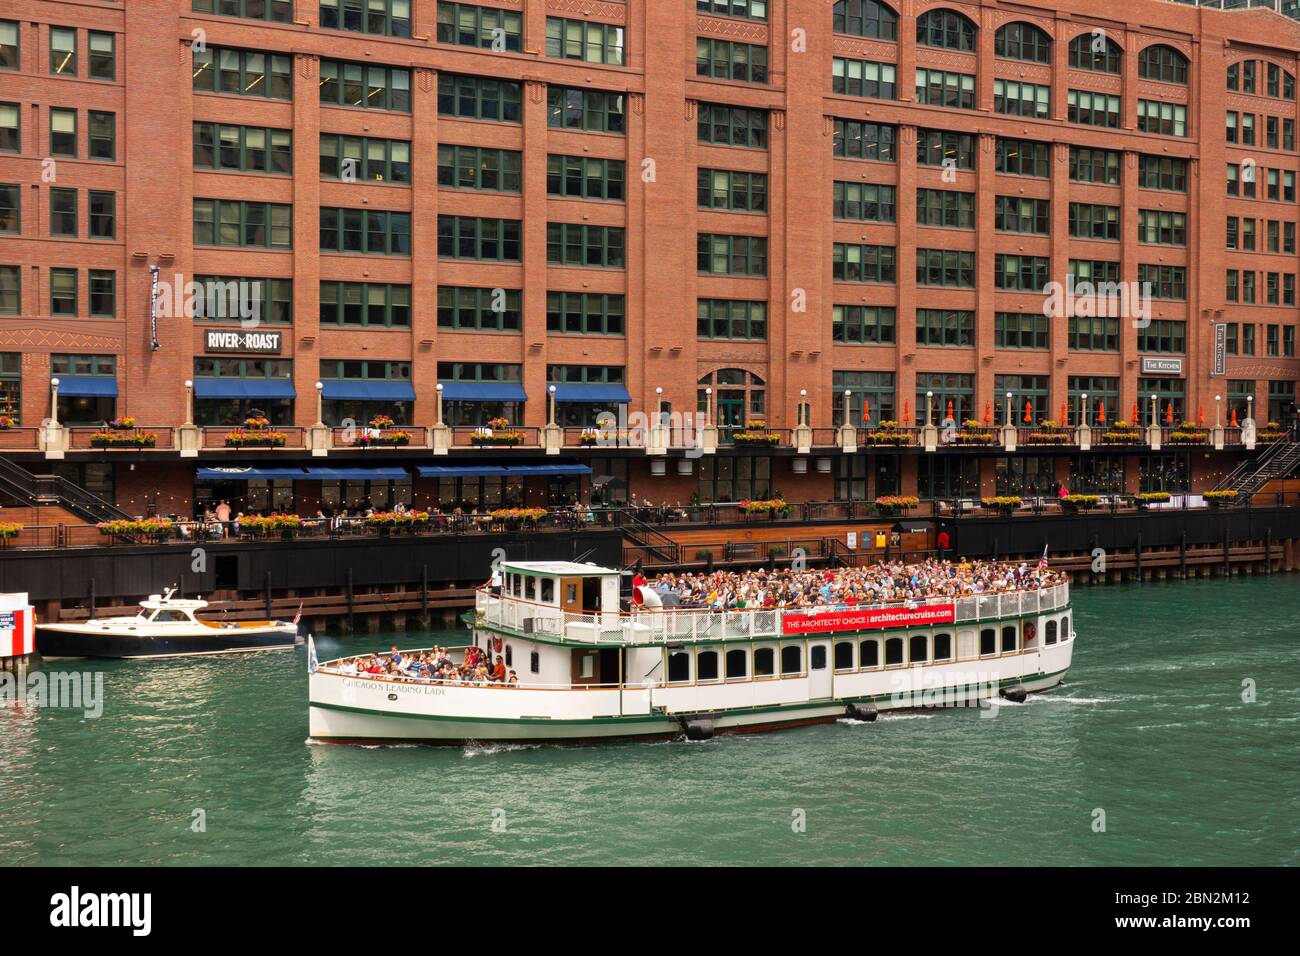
(1017, 98)
(585, 374)
(365, 159)
(365, 304)
(1087, 54)
(1099, 389)
(63, 132)
(585, 313)
(1021, 273)
(1035, 389)
(1022, 214)
(11, 209)
(864, 202)
(955, 387)
(63, 293)
(352, 370)
(101, 214)
(251, 225)
(1163, 335)
(11, 131)
(586, 177)
(723, 125)
(11, 290)
(743, 9)
(474, 237)
(1163, 119)
(11, 385)
(464, 24)
(246, 149)
(220, 366)
(235, 72)
(1094, 221)
(64, 213)
(1092, 333)
(1166, 282)
(574, 244)
(223, 298)
(585, 40)
(945, 208)
(1167, 65)
(365, 86)
(277, 11)
(945, 88)
(717, 254)
(858, 139)
(864, 324)
(469, 308)
(370, 232)
(864, 18)
(480, 167)
(389, 18)
(101, 49)
(101, 293)
(1162, 172)
(1023, 157)
(101, 135)
(951, 268)
(63, 51)
(83, 364)
(1162, 228)
(478, 98)
(591, 111)
(951, 328)
(854, 262)
(1099, 166)
(1021, 330)
(945, 149)
(10, 46)
(731, 319)
(1024, 42)
(1088, 108)
(1094, 270)
(865, 78)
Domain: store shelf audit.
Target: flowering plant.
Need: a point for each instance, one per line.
(7, 422)
(271, 522)
(485, 436)
(495, 423)
(1121, 433)
(518, 515)
(1002, 503)
(149, 527)
(1080, 502)
(1270, 432)
(381, 421)
(1048, 432)
(1189, 433)
(368, 439)
(897, 502)
(256, 423)
(776, 507)
(398, 519)
(122, 424)
(1153, 497)
(239, 438)
(115, 439)
(9, 529)
(755, 432)
(887, 433)
(1225, 495)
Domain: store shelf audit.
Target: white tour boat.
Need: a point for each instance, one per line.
(590, 670)
(164, 626)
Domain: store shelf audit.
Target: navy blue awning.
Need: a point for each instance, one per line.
(618, 394)
(370, 391)
(87, 386)
(242, 473)
(461, 471)
(556, 468)
(356, 473)
(243, 388)
(484, 392)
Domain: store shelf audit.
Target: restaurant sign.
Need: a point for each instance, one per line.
(240, 340)
(1162, 366)
(1220, 348)
(866, 619)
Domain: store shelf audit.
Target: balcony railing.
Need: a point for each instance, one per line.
(294, 438)
(142, 438)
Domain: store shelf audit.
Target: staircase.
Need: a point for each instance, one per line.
(1278, 461)
(35, 490)
(646, 536)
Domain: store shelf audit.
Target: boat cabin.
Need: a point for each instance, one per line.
(163, 609)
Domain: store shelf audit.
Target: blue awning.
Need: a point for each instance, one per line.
(548, 469)
(243, 388)
(370, 391)
(617, 394)
(356, 473)
(87, 386)
(241, 473)
(484, 392)
(461, 471)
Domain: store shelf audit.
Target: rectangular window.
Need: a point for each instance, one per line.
(478, 167)
(475, 309)
(1021, 330)
(728, 60)
(942, 88)
(63, 293)
(9, 52)
(248, 149)
(358, 304)
(391, 18)
(234, 298)
(277, 11)
(1021, 273)
(945, 149)
(855, 139)
(731, 255)
(245, 73)
(1165, 282)
(585, 313)
(731, 319)
(864, 324)
(864, 202)
(1163, 172)
(1031, 389)
(1163, 335)
(871, 397)
(945, 208)
(1019, 157)
(11, 290)
(1167, 228)
(226, 222)
(365, 86)
(101, 221)
(478, 98)
(102, 135)
(945, 388)
(10, 131)
(945, 267)
(63, 212)
(1099, 166)
(1102, 392)
(486, 27)
(722, 189)
(732, 126)
(1093, 334)
(11, 219)
(471, 237)
(581, 177)
(1022, 99)
(102, 293)
(63, 132)
(372, 232)
(877, 81)
(749, 9)
(1089, 221)
(592, 111)
(63, 51)
(1093, 109)
(945, 327)
(860, 263)
(572, 244)
(1024, 215)
(1094, 272)
(585, 40)
(1165, 119)
(103, 55)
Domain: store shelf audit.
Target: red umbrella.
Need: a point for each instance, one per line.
(1028, 413)
(1135, 415)
(1233, 423)
(950, 408)
(1169, 414)
(907, 410)
(1101, 414)
(988, 413)
(866, 409)
(1065, 412)
(1200, 415)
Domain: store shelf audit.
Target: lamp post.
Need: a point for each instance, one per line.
(929, 420)
(848, 412)
(803, 396)
(438, 389)
(1007, 414)
(1155, 410)
(189, 402)
(550, 414)
(1218, 411)
(54, 401)
(320, 403)
(1083, 410)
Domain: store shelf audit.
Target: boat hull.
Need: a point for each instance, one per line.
(82, 641)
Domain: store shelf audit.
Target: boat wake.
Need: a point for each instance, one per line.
(474, 748)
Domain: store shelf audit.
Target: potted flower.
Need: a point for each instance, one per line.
(1148, 498)
(1189, 433)
(973, 433)
(267, 525)
(1049, 433)
(772, 507)
(371, 439)
(7, 422)
(155, 529)
(1003, 504)
(8, 531)
(1121, 433)
(257, 423)
(1270, 432)
(122, 424)
(381, 422)
(1217, 499)
(887, 433)
(1076, 503)
(756, 434)
(117, 439)
(896, 504)
(255, 438)
(589, 438)
(518, 518)
(497, 432)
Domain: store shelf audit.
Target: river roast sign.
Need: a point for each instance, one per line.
(242, 340)
(1162, 366)
(868, 619)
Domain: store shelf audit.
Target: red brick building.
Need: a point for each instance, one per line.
(633, 202)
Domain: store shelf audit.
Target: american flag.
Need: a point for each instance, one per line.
(1042, 562)
(298, 617)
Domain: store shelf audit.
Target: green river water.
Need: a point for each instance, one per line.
(1150, 729)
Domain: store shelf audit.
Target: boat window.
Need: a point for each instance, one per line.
(791, 659)
(988, 641)
(1008, 638)
(510, 656)
(817, 657)
(535, 662)
(1050, 637)
(736, 661)
(943, 647)
(918, 649)
(1065, 628)
(1031, 631)
(679, 667)
(516, 585)
(548, 590)
(166, 616)
(533, 592)
(869, 654)
(706, 665)
(764, 662)
(893, 651)
(844, 656)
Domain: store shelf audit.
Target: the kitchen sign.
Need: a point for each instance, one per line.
(242, 340)
(1162, 366)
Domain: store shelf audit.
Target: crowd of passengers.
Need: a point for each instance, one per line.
(879, 583)
(433, 665)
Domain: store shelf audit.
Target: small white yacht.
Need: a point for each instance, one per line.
(164, 626)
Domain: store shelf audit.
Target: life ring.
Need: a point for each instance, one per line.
(496, 645)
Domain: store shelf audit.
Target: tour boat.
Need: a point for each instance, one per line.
(590, 670)
(165, 626)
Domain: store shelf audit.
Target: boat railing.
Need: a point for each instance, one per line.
(682, 625)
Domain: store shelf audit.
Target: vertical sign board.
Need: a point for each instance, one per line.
(17, 626)
(1220, 349)
(153, 308)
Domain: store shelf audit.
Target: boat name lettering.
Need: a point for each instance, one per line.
(868, 619)
(427, 690)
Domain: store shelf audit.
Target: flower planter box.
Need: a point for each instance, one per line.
(395, 440)
(496, 440)
(743, 441)
(124, 440)
(269, 442)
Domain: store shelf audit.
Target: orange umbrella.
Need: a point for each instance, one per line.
(1029, 417)
(1065, 412)
(1200, 415)
(907, 410)
(950, 408)
(1169, 414)
(1233, 422)
(1135, 415)
(988, 413)
(866, 409)
(1101, 414)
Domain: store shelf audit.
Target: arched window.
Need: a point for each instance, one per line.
(844, 656)
(739, 397)
(1050, 637)
(869, 654)
(947, 29)
(1008, 639)
(1095, 52)
(1065, 628)
(865, 18)
(943, 647)
(1164, 63)
(893, 651)
(535, 662)
(1023, 41)
(737, 664)
(792, 659)
(706, 665)
(918, 649)
(679, 667)
(988, 641)
(764, 662)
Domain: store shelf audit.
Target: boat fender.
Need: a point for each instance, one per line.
(697, 728)
(865, 712)
(1016, 694)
